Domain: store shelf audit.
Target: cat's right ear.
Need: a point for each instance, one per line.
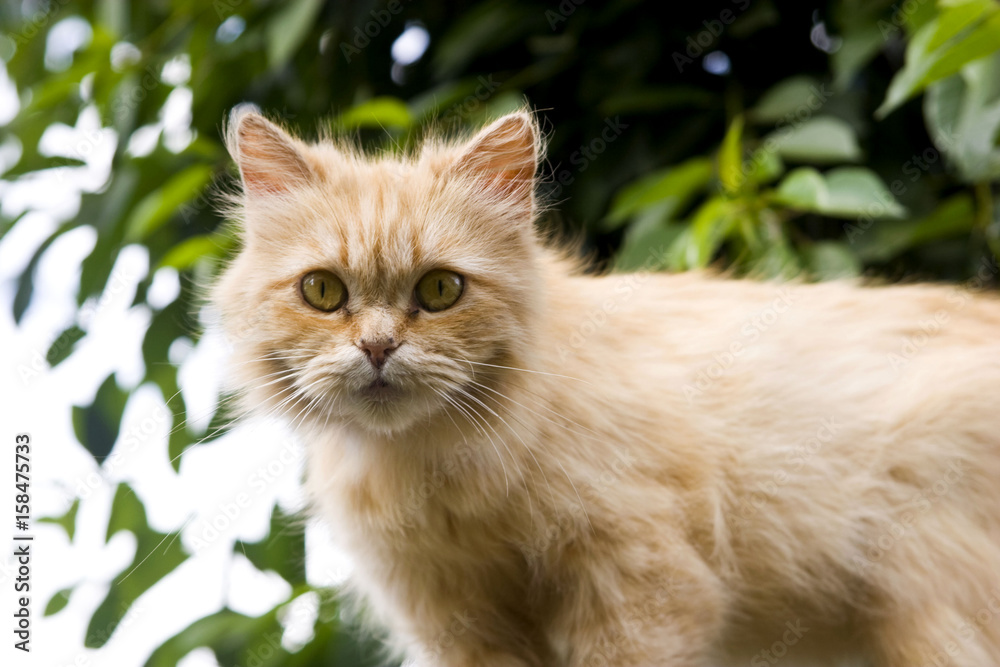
(503, 158)
(270, 162)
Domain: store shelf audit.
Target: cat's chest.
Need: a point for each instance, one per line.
(426, 509)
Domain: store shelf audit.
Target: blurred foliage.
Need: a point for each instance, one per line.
(775, 138)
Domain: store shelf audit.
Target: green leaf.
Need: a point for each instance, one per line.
(26, 281)
(963, 117)
(156, 555)
(830, 260)
(711, 223)
(788, 99)
(963, 32)
(67, 520)
(380, 112)
(32, 162)
(777, 261)
(844, 192)
(482, 28)
(234, 638)
(731, 158)
(160, 205)
(57, 602)
(646, 241)
(672, 188)
(64, 345)
(96, 425)
(188, 252)
(652, 99)
(819, 140)
(167, 325)
(283, 550)
(887, 239)
(861, 43)
(287, 30)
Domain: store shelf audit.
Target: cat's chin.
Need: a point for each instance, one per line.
(385, 407)
(380, 392)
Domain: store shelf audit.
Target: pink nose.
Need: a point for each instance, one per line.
(377, 350)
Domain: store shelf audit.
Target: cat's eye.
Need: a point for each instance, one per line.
(439, 289)
(323, 291)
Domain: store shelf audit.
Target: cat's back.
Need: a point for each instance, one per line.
(707, 334)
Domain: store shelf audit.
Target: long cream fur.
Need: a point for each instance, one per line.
(628, 470)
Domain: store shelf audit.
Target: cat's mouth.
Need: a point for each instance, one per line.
(380, 391)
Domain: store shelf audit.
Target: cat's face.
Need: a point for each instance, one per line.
(378, 292)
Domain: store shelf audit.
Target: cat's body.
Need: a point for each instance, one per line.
(570, 470)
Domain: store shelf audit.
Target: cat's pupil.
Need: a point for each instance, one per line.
(440, 288)
(322, 290)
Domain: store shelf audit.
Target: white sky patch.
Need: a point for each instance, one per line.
(165, 288)
(411, 44)
(253, 592)
(177, 70)
(298, 618)
(717, 62)
(124, 55)
(65, 38)
(230, 29)
(9, 102)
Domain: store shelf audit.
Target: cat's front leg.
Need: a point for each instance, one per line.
(644, 619)
(477, 637)
(466, 656)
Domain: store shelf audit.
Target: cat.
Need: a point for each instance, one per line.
(532, 465)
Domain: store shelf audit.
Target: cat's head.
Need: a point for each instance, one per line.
(374, 290)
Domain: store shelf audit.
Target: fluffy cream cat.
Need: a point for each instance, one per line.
(530, 466)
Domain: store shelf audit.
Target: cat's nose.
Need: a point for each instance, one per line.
(377, 349)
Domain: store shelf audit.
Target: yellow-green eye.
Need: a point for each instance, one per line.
(323, 291)
(439, 289)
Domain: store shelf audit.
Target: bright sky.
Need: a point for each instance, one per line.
(37, 401)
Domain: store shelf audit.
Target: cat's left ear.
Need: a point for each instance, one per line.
(270, 161)
(503, 158)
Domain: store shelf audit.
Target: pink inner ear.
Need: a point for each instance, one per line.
(269, 161)
(503, 159)
(505, 180)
